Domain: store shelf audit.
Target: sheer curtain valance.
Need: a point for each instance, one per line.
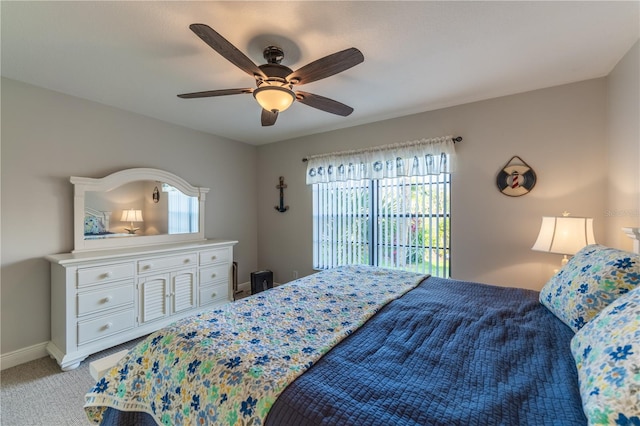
(416, 158)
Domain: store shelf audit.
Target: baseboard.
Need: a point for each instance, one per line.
(247, 286)
(244, 290)
(11, 359)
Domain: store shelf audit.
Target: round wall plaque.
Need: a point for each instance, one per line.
(516, 179)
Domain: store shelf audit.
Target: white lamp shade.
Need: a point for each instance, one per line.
(131, 215)
(274, 98)
(564, 235)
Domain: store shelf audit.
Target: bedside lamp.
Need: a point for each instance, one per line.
(131, 216)
(564, 235)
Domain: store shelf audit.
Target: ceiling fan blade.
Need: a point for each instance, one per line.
(211, 93)
(269, 117)
(327, 66)
(324, 104)
(226, 49)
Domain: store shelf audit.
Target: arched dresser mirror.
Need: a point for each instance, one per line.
(136, 207)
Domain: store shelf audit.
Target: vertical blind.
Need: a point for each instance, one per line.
(341, 223)
(399, 223)
(386, 206)
(183, 211)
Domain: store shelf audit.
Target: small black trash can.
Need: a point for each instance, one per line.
(261, 280)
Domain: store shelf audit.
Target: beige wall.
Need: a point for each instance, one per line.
(622, 207)
(559, 131)
(562, 132)
(47, 137)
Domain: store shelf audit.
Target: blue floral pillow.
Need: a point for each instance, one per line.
(607, 354)
(93, 226)
(591, 280)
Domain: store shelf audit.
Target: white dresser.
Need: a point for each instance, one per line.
(102, 298)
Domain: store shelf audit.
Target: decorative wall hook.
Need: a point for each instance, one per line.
(281, 186)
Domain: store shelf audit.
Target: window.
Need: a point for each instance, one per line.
(183, 211)
(385, 206)
(401, 222)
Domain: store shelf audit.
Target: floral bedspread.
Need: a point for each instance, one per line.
(229, 365)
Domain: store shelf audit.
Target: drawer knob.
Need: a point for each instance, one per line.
(213, 295)
(187, 260)
(213, 275)
(108, 274)
(214, 257)
(107, 326)
(148, 265)
(107, 299)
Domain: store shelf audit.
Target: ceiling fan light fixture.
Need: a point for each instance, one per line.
(274, 81)
(274, 98)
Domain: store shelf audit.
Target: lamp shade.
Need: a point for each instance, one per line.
(274, 98)
(131, 215)
(564, 235)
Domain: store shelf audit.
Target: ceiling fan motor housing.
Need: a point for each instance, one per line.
(275, 71)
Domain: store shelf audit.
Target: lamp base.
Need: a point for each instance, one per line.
(131, 230)
(563, 262)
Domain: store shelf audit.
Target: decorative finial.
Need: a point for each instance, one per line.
(565, 213)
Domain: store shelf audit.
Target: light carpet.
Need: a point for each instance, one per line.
(38, 393)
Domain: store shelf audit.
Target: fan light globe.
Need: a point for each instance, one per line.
(274, 98)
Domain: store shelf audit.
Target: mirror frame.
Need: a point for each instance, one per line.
(114, 180)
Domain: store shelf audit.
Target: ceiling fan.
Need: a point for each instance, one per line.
(274, 82)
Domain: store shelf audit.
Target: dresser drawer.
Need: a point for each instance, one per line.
(105, 326)
(213, 274)
(209, 257)
(105, 298)
(106, 273)
(160, 263)
(214, 293)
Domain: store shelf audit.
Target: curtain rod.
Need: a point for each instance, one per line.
(455, 140)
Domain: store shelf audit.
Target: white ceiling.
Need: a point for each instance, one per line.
(419, 56)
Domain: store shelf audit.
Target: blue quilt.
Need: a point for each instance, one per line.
(447, 353)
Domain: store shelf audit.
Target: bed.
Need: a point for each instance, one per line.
(359, 345)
